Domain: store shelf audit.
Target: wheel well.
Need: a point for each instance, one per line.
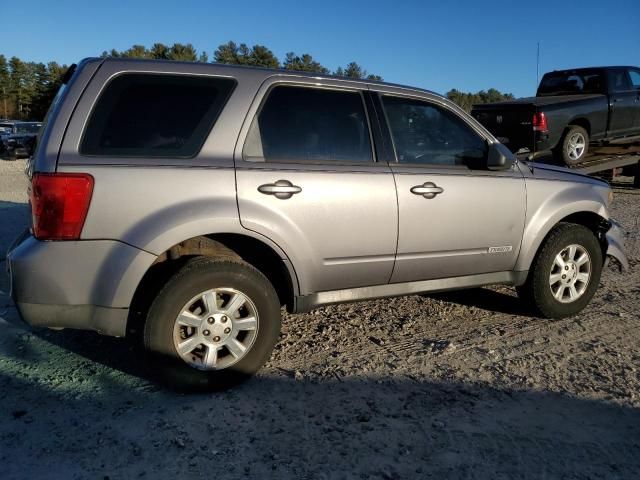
(580, 122)
(594, 222)
(253, 251)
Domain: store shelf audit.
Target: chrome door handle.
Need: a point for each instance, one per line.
(281, 189)
(427, 190)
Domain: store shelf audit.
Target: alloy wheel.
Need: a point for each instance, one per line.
(216, 329)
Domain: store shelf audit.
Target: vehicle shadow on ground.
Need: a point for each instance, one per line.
(487, 299)
(276, 426)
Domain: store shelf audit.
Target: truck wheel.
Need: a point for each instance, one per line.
(213, 325)
(566, 272)
(574, 146)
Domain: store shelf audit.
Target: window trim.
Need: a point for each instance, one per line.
(223, 103)
(430, 166)
(261, 161)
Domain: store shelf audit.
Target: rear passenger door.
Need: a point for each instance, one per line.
(307, 178)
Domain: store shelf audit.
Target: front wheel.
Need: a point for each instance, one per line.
(566, 272)
(214, 324)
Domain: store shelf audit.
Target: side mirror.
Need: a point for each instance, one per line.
(499, 157)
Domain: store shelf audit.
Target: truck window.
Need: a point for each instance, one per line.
(303, 124)
(155, 115)
(634, 76)
(571, 83)
(619, 80)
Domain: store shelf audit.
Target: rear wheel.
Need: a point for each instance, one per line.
(214, 324)
(566, 272)
(574, 146)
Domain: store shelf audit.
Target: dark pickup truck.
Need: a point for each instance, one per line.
(571, 109)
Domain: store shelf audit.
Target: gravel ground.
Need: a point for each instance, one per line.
(462, 385)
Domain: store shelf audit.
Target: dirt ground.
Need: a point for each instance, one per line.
(456, 385)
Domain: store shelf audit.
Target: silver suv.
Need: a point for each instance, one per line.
(189, 202)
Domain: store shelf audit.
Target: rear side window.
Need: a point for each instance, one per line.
(310, 125)
(155, 115)
(619, 81)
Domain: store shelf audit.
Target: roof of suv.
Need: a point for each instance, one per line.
(267, 72)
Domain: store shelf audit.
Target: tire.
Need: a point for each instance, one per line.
(574, 146)
(233, 284)
(544, 296)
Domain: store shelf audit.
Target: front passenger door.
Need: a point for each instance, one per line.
(455, 218)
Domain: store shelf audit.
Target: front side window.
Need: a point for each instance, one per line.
(304, 124)
(155, 115)
(634, 76)
(424, 133)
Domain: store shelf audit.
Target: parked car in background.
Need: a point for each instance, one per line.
(6, 127)
(190, 201)
(18, 139)
(571, 110)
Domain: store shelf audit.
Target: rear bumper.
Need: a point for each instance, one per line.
(615, 241)
(108, 321)
(87, 285)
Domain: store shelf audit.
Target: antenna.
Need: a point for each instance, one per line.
(533, 155)
(538, 66)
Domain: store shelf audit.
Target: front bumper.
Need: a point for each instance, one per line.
(86, 285)
(615, 241)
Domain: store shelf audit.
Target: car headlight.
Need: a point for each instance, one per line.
(609, 198)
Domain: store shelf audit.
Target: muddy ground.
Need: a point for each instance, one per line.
(456, 385)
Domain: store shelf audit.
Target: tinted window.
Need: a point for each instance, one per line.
(634, 76)
(570, 83)
(425, 133)
(310, 124)
(619, 80)
(28, 127)
(147, 115)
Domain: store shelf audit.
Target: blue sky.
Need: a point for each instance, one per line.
(469, 45)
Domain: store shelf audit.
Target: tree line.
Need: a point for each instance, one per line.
(27, 88)
(468, 100)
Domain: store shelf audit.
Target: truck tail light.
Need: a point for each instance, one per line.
(540, 122)
(59, 204)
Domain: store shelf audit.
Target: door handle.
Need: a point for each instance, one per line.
(427, 190)
(281, 189)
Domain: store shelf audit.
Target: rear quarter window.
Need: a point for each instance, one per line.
(155, 115)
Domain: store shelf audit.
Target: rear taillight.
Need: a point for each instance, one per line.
(540, 122)
(59, 204)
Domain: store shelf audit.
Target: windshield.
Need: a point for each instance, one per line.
(571, 83)
(28, 127)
